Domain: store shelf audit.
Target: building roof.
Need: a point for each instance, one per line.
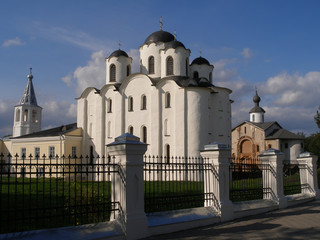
(257, 109)
(29, 96)
(159, 36)
(118, 53)
(283, 134)
(51, 132)
(200, 60)
(174, 44)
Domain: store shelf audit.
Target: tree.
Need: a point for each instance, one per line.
(317, 117)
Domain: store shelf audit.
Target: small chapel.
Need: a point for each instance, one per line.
(171, 104)
(253, 137)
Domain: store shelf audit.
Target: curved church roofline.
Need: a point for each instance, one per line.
(224, 88)
(87, 91)
(127, 79)
(106, 87)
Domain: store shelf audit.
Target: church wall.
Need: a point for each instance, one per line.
(146, 51)
(179, 56)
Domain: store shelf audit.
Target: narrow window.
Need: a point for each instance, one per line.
(169, 66)
(253, 118)
(286, 145)
(18, 115)
(258, 148)
(52, 152)
(195, 75)
(23, 153)
(130, 104)
(167, 157)
(74, 151)
(144, 134)
(130, 130)
(245, 130)
(91, 155)
(109, 105)
(143, 102)
(168, 100)
(112, 73)
(166, 127)
(25, 115)
(187, 65)
(151, 65)
(34, 116)
(36, 152)
(128, 70)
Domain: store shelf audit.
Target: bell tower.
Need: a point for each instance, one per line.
(257, 112)
(27, 115)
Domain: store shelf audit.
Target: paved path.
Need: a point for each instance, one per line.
(299, 222)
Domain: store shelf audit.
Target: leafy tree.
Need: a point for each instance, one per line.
(317, 117)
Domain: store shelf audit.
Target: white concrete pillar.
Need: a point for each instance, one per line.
(129, 185)
(272, 176)
(217, 181)
(308, 174)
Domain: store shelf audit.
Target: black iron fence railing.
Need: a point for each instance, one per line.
(247, 181)
(291, 178)
(47, 192)
(176, 183)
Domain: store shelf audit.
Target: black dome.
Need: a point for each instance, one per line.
(118, 53)
(174, 44)
(159, 36)
(200, 60)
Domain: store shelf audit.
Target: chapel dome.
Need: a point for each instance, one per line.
(118, 53)
(159, 36)
(256, 98)
(174, 44)
(200, 60)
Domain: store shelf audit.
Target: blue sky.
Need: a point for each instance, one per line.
(271, 45)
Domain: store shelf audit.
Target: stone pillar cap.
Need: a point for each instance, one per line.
(215, 146)
(271, 151)
(126, 138)
(305, 154)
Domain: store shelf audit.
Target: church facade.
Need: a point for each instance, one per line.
(251, 138)
(171, 105)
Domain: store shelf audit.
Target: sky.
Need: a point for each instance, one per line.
(272, 46)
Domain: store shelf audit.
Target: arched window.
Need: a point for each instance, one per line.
(130, 104)
(210, 77)
(144, 134)
(195, 75)
(112, 73)
(128, 70)
(143, 102)
(151, 65)
(34, 116)
(168, 100)
(169, 66)
(167, 154)
(130, 130)
(25, 115)
(18, 115)
(109, 105)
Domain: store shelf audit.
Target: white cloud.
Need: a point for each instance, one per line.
(247, 53)
(13, 42)
(67, 80)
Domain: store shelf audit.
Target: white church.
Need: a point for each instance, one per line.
(171, 105)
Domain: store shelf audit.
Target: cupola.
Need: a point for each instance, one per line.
(257, 112)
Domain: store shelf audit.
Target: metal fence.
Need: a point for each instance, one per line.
(247, 178)
(176, 183)
(291, 178)
(46, 192)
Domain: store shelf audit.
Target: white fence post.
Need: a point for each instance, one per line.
(308, 174)
(219, 156)
(129, 184)
(272, 176)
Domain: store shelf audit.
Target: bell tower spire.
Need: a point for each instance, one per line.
(27, 114)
